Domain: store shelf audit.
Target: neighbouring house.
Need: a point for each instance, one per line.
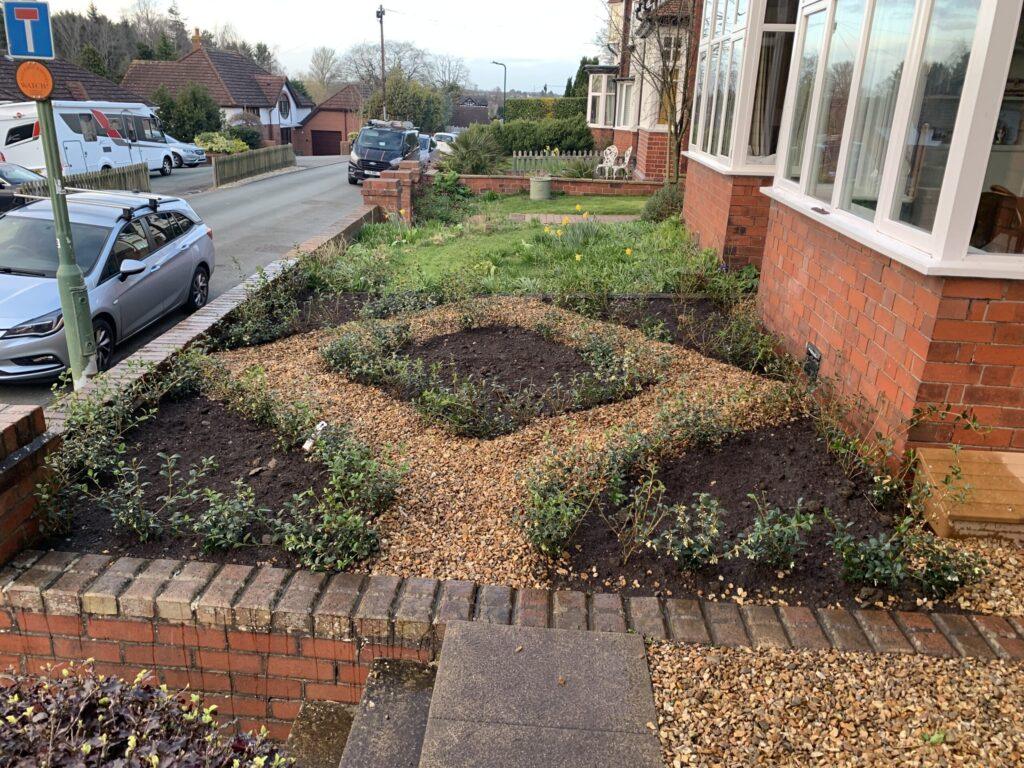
(869, 156)
(70, 83)
(325, 130)
(624, 105)
(470, 111)
(236, 83)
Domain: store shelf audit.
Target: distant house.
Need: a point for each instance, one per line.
(70, 83)
(237, 85)
(325, 130)
(470, 111)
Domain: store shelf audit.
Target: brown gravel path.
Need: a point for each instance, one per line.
(731, 708)
(455, 516)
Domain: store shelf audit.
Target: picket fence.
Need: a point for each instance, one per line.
(527, 163)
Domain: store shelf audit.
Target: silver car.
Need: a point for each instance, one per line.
(185, 154)
(143, 257)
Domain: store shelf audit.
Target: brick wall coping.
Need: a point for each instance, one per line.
(412, 613)
(603, 187)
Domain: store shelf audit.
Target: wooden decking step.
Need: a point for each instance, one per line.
(986, 499)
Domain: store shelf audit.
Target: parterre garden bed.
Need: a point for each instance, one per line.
(585, 405)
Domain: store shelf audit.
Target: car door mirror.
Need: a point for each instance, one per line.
(130, 267)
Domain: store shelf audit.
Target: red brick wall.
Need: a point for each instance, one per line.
(340, 122)
(895, 338)
(602, 136)
(513, 185)
(727, 214)
(21, 457)
(623, 140)
(651, 155)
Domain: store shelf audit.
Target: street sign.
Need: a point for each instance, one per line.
(35, 80)
(29, 34)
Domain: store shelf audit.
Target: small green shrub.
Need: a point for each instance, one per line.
(220, 144)
(742, 341)
(252, 137)
(229, 522)
(475, 152)
(693, 538)
(938, 568)
(666, 203)
(446, 201)
(249, 395)
(268, 313)
(878, 561)
(776, 537)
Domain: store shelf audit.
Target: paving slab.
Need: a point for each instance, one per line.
(525, 696)
(319, 734)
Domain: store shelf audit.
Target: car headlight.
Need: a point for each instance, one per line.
(41, 326)
(395, 162)
(353, 155)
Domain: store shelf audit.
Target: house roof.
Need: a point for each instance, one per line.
(347, 99)
(70, 83)
(232, 79)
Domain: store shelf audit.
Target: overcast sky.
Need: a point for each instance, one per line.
(540, 40)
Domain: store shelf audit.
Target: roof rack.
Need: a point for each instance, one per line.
(400, 125)
(127, 211)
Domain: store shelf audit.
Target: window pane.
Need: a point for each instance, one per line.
(716, 120)
(609, 109)
(741, 14)
(595, 102)
(698, 95)
(709, 99)
(835, 96)
(804, 91)
(709, 15)
(730, 97)
(730, 16)
(939, 86)
(999, 225)
(872, 123)
(782, 11)
(770, 94)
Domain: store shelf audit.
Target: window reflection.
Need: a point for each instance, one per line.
(804, 91)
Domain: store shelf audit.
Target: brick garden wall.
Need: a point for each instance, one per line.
(22, 449)
(727, 214)
(514, 185)
(651, 155)
(894, 337)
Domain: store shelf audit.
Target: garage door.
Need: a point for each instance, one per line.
(326, 142)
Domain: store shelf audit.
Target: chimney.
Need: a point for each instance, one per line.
(197, 40)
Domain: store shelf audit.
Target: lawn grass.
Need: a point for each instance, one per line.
(509, 257)
(565, 204)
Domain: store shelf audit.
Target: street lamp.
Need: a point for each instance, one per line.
(504, 87)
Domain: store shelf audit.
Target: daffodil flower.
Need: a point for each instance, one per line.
(579, 257)
(629, 251)
(558, 233)
(547, 230)
(578, 208)
(565, 220)
(586, 215)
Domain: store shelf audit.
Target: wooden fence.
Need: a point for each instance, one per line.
(134, 178)
(231, 168)
(526, 163)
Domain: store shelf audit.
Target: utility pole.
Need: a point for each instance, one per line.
(504, 88)
(383, 66)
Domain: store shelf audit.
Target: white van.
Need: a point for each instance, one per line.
(92, 136)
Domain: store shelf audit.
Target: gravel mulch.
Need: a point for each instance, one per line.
(1002, 592)
(456, 514)
(729, 708)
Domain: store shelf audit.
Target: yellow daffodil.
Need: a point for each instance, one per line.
(629, 251)
(586, 215)
(547, 230)
(565, 220)
(402, 211)
(558, 233)
(578, 208)
(579, 257)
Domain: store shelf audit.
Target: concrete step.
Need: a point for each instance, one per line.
(319, 734)
(392, 717)
(519, 697)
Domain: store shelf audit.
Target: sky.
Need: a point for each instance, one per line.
(540, 40)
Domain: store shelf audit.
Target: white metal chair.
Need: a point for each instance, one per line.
(623, 166)
(608, 159)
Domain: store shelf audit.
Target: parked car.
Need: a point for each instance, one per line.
(444, 142)
(185, 154)
(381, 146)
(143, 257)
(12, 178)
(428, 150)
(91, 136)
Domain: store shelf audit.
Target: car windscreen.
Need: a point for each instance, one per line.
(373, 138)
(29, 245)
(424, 142)
(15, 174)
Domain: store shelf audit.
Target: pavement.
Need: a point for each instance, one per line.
(253, 225)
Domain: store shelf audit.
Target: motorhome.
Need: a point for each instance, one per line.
(91, 135)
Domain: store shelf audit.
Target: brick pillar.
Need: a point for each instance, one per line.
(392, 192)
(727, 213)
(21, 459)
(651, 155)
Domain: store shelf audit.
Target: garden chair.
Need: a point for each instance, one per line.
(608, 160)
(623, 166)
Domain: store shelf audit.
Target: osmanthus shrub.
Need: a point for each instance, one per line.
(75, 717)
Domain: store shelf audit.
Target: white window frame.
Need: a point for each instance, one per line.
(734, 159)
(608, 88)
(946, 249)
(624, 104)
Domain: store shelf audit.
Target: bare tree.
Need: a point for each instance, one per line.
(361, 62)
(449, 73)
(324, 74)
(659, 40)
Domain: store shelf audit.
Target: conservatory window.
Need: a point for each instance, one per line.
(719, 69)
(936, 104)
(770, 94)
(625, 104)
(814, 38)
(888, 44)
(781, 11)
(731, 84)
(999, 222)
(698, 96)
(602, 100)
(595, 99)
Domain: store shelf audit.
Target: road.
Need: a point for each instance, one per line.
(253, 224)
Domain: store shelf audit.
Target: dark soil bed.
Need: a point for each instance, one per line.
(508, 357)
(195, 429)
(786, 464)
(668, 319)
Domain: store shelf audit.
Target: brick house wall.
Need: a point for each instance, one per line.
(651, 155)
(325, 120)
(727, 213)
(603, 137)
(895, 339)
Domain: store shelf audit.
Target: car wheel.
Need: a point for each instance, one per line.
(178, 162)
(353, 181)
(199, 290)
(103, 334)
(167, 167)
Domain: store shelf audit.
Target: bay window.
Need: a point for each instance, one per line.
(601, 108)
(904, 129)
(742, 71)
(624, 102)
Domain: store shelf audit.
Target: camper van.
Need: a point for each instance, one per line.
(92, 136)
